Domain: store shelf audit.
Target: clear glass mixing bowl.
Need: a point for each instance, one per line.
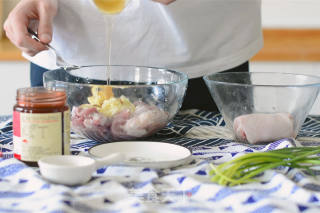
(263, 107)
(110, 103)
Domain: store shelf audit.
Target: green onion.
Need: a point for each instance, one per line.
(246, 168)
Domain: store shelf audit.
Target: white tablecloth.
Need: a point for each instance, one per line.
(184, 189)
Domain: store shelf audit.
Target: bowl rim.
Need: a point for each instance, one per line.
(206, 79)
(184, 75)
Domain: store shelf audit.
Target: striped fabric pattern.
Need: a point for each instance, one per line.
(183, 189)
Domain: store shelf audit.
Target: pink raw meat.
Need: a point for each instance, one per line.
(144, 121)
(119, 120)
(90, 122)
(258, 128)
(79, 116)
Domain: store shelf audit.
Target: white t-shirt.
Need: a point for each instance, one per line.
(197, 37)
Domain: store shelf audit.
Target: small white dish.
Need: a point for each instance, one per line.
(73, 169)
(157, 155)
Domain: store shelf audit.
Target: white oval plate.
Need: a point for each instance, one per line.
(158, 155)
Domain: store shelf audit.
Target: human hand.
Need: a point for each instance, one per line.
(166, 2)
(19, 19)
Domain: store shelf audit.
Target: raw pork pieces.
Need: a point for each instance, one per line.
(258, 128)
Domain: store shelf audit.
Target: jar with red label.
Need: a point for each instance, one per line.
(41, 124)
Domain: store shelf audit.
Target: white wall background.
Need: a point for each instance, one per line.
(13, 75)
(292, 14)
(275, 14)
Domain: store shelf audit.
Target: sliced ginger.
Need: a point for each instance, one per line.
(100, 94)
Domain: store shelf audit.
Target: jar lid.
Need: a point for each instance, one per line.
(41, 96)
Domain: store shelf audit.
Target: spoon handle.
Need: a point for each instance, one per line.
(36, 37)
(109, 160)
(60, 62)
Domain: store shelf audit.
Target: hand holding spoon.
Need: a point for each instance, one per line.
(60, 62)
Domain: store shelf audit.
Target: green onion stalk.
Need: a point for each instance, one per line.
(246, 168)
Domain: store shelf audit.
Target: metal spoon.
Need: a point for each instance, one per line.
(60, 62)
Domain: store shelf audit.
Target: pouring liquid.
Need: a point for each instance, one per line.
(109, 22)
(109, 7)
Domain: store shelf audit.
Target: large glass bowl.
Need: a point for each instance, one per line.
(111, 103)
(263, 107)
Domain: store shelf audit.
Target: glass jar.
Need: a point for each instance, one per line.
(41, 124)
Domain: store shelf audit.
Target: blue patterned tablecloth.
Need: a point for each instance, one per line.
(183, 189)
